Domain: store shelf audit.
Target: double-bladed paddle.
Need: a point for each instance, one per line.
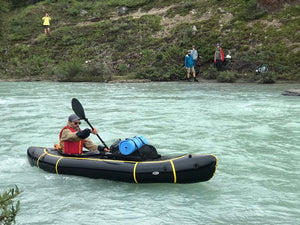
(79, 111)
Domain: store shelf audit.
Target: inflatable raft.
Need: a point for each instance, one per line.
(188, 168)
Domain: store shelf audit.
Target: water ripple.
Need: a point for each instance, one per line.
(252, 129)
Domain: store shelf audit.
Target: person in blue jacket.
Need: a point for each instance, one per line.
(189, 65)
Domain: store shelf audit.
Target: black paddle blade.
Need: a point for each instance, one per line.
(78, 109)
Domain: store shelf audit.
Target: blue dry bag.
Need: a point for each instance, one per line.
(129, 145)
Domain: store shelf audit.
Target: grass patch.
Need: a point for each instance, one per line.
(130, 45)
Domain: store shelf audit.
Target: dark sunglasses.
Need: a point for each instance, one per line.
(77, 123)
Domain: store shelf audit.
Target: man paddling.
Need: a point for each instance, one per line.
(72, 139)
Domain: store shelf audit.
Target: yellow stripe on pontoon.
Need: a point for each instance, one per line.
(174, 171)
(56, 166)
(45, 153)
(134, 173)
(113, 160)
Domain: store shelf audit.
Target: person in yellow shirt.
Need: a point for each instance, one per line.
(46, 23)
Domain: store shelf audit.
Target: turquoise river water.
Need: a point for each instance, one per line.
(252, 129)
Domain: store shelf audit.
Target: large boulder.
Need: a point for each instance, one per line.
(292, 92)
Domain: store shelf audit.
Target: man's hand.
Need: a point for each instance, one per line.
(106, 149)
(94, 131)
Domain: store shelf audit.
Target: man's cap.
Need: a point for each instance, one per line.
(218, 44)
(73, 118)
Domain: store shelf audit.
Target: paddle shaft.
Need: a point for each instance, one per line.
(86, 120)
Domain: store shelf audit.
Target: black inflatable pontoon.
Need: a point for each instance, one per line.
(187, 168)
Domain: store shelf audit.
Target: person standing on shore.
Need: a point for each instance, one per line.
(189, 65)
(46, 23)
(194, 54)
(219, 57)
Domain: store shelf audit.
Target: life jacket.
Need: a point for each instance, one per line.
(71, 147)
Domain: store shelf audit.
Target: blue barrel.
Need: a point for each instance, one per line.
(129, 145)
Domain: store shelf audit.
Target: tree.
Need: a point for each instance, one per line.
(4, 8)
(9, 210)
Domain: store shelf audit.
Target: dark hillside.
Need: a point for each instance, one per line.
(142, 39)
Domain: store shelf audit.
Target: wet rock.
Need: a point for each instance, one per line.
(292, 92)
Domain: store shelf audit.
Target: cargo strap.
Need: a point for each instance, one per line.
(135, 143)
(141, 140)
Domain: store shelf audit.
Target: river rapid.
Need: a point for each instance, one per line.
(252, 129)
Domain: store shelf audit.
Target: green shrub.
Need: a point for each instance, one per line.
(210, 73)
(266, 78)
(151, 22)
(123, 69)
(151, 73)
(175, 72)
(9, 209)
(96, 72)
(148, 57)
(227, 76)
(69, 71)
(181, 9)
(127, 3)
(36, 64)
(90, 71)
